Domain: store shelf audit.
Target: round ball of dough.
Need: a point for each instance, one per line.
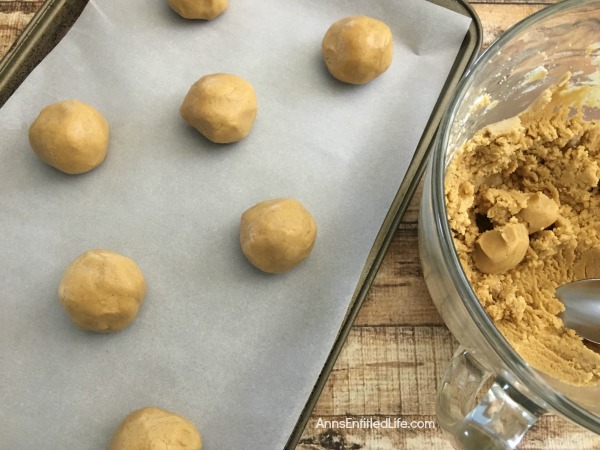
(276, 235)
(156, 429)
(222, 107)
(71, 136)
(198, 9)
(499, 250)
(358, 49)
(102, 291)
(541, 212)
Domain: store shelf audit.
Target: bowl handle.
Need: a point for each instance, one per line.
(498, 422)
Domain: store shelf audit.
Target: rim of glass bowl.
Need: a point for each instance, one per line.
(510, 357)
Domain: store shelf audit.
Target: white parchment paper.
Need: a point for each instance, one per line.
(235, 350)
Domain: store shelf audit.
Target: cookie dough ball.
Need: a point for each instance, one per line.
(198, 9)
(276, 235)
(541, 212)
(156, 429)
(71, 136)
(222, 107)
(499, 250)
(102, 291)
(358, 49)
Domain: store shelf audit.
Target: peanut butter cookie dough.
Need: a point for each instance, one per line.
(70, 136)
(222, 107)
(277, 235)
(102, 291)
(198, 9)
(357, 49)
(154, 429)
(524, 208)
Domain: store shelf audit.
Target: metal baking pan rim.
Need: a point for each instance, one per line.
(54, 19)
(49, 24)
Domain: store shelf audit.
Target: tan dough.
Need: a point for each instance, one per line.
(156, 429)
(222, 107)
(102, 291)
(497, 251)
(70, 136)
(533, 179)
(198, 9)
(358, 49)
(276, 235)
(541, 212)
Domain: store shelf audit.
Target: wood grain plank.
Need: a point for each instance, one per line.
(399, 295)
(400, 382)
(319, 438)
(412, 212)
(387, 371)
(549, 433)
(497, 18)
(27, 6)
(14, 17)
(554, 433)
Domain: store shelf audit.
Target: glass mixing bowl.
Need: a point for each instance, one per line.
(513, 71)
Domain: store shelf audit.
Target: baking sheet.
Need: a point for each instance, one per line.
(235, 350)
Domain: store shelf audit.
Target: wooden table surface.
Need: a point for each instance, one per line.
(399, 347)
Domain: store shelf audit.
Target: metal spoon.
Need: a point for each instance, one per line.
(582, 307)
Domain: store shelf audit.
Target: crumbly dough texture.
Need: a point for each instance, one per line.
(222, 107)
(70, 136)
(276, 235)
(156, 429)
(102, 291)
(198, 9)
(357, 49)
(541, 170)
